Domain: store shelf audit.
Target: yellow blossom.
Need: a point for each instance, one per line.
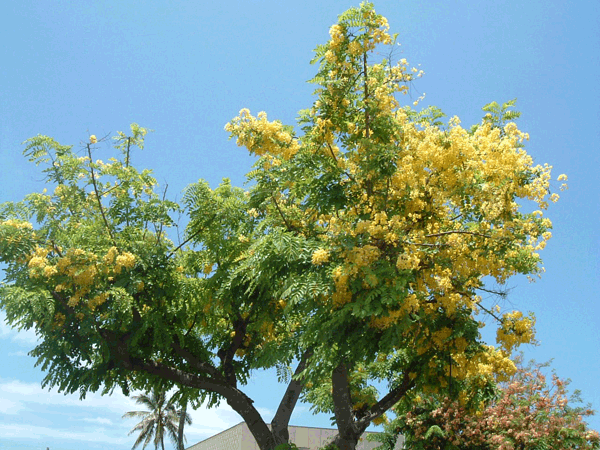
(50, 271)
(320, 256)
(126, 260)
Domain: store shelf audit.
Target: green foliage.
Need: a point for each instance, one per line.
(286, 447)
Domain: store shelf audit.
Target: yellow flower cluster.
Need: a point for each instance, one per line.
(515, 330)
(320, 256)
(38, 262)
(408, 262)
(18, 224)
(97, 300)
(362, 256)
(125, 260)
(262, 137)
(79, 272)
(342, 293)
(382, 322)
(337, 36)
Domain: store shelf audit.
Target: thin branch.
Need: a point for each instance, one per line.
(98, 198)
(425, 244)
(489, 291)
(443, 233)
(287, 224)
(489, 312)
(192, 236)
(335, 158)
(56, 248)
(161, 224)
(127, 155)
(366, 87)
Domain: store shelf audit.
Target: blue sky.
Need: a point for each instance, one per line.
(185, 68)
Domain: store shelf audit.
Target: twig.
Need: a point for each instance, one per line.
(443, 233)
(287, 224)
(99, 198)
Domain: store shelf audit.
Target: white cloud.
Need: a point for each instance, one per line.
(32, 393)
(10, 406)
(24, 337)
(207, 422)
(30, 431)
(266, 413)
(99, 420)
(102, 415)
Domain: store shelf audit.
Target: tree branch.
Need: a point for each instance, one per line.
(226, 356)
(239, 402)
(281, 420)
(196, 363)
(392, 397)
(443, 233)
(99, 199)
(287, 224)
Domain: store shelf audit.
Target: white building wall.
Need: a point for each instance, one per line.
(228, 439)
(306, 438)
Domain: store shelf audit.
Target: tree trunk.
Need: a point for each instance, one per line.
(259, 429)
(351, 425)
(182, 423)
(348, 434)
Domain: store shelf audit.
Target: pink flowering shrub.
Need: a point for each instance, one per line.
(527, 413)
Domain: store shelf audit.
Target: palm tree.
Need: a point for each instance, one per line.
(183, 418)
(162, 417)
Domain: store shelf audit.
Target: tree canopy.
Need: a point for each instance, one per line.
(362, 246)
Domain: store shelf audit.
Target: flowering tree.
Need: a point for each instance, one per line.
(526, 413)
(411, 217)
(117, 304)
(360, 251)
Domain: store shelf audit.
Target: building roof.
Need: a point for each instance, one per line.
(239, 437)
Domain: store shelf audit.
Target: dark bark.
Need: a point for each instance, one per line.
(194, 362)
(280, 423)
(351, 426)
(226, 355)
(208, 378)
(348, 433)
(235, 398)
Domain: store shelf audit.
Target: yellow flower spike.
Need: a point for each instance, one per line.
(93, 139)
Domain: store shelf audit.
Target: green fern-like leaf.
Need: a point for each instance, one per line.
(434, 431)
